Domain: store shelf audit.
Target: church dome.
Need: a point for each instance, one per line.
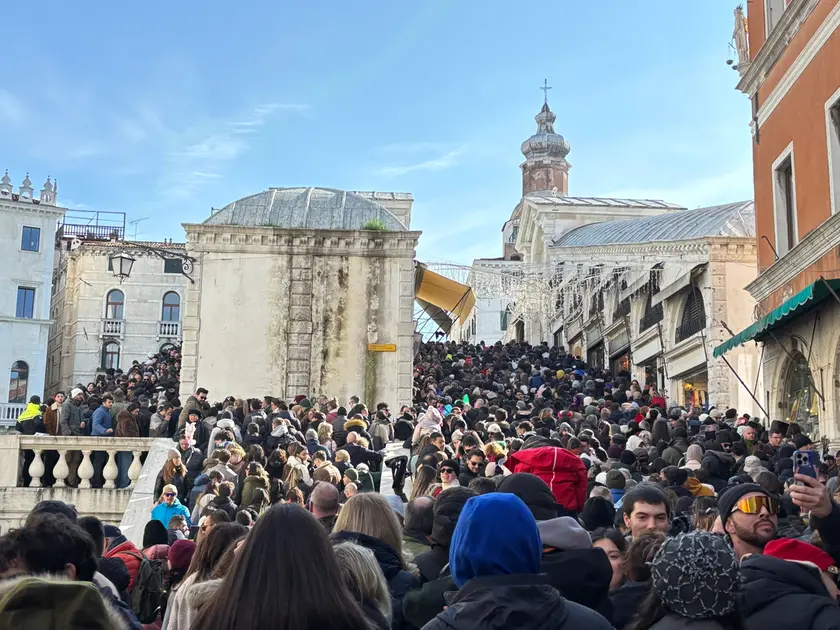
(305, 208)
(545, 143)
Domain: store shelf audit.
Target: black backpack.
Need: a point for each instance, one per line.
(147, 594)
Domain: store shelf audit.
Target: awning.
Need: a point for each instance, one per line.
(437, 315)
(453, 297)
(796, 306)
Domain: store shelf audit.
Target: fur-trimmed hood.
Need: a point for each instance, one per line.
(199, 595)
(34, 601)
(357, 423)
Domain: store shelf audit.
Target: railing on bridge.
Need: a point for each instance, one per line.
(10, 412)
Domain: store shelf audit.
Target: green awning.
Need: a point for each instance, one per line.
(796, 306)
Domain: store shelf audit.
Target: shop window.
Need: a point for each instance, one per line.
(110, 355)
(504, 318)
(652, 316)
(596, 304)
(18, 382)
(171, 307)
(800, 402)
(114, 304)
(784, 205)
(693, 317)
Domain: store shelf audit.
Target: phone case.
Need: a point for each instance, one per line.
(806, 463)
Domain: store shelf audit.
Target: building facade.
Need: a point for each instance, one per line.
(296, 293)
(791, 73)
(27, 229)
(100, 323)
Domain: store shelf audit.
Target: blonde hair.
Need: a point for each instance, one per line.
(363, 576)
(324, 432)
(370, 514)
(292, 476)
(169, 488)
(362, 441)
(342, 456)
(236, 449)
(494, 449)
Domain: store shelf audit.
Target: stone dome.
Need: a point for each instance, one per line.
(545, 143)
(305, 208)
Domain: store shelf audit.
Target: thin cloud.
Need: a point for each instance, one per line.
(11, 109)
(436, 163)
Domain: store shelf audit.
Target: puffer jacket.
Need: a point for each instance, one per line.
(562, 470)
(781, 594)
(253, 482)
(126, 551)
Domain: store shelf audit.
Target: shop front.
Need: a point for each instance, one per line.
(596, 355)
(621, 362)
(648, 367)
(695, 390)
(688, 374)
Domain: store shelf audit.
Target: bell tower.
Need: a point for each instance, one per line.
(545, 168)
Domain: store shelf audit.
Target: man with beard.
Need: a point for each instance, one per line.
(749, 516)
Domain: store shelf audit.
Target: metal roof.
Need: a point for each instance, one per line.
(731, 219)
(305, 208)
(603, 202)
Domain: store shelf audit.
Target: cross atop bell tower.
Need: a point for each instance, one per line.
(545, 168)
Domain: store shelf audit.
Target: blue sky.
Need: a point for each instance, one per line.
(163, 113)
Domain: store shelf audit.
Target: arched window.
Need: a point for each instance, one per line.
(171, 307)
(799, 398)
(110, 355)
(114, 303)
(652, 316)
(18, 381)
(693, 317)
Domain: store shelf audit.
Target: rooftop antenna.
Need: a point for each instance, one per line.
(134, 223)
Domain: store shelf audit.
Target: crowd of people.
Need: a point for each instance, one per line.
(529, 490)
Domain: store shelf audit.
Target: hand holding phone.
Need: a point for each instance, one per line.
(806, 463)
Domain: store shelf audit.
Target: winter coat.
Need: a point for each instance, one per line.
(327, 472)
(415, 543)
(829, 530)
(399, 580)
(626, 601)
(431, 562)
(39, 602)
(675, 622)
(164, 513)
(178, 481)
(780, 594)
(525, 602)
(70, 418)
(126, 425)
(252, 482)
(581, 576)
(51, 421)
(361, 455)
(129, 554)
(101, 421)
(562, 470)
(194, 461)
(720, 467)
(225, 504)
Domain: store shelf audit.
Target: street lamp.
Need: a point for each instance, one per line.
(121, 264)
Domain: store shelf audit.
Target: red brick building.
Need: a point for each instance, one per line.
(791, 73)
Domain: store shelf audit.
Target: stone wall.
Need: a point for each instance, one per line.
(287, 312)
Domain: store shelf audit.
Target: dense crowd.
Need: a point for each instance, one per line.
(529, 490)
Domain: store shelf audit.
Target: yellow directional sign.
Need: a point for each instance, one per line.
(382, 347)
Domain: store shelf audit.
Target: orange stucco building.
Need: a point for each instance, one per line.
(791, 73)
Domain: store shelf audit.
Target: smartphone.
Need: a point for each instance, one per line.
(806, 463)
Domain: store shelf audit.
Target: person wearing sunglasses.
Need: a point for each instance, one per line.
(168, 506)
(749, 516)
(448, 472)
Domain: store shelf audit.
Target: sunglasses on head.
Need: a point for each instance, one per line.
(169, 494)
(753, 505)
(447, 470)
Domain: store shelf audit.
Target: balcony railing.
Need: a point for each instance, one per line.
(10, 412)
(112, 328)
(86, 446)
(169, 330)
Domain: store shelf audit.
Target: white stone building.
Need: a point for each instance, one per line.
(101, 323)
(297, 291)
(27, 230)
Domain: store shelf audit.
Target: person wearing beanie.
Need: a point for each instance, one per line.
(694, 584)
(597, 512)
(616, 482)
(749, 516)
(448, 471)
(502, 573)
(792, 585)
(573, 567)
(180, 556)
(421, 605)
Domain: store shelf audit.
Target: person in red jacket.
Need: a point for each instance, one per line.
(118, 546)
(562, 470)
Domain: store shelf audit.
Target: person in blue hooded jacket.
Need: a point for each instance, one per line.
(497, 574)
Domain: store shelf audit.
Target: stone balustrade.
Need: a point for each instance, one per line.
(85, 445)
(44, 458)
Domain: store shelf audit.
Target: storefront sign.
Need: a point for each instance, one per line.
(382, 347)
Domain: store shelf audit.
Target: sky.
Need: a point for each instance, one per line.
(163, 111)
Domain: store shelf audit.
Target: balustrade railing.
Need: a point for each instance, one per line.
(112, 327)
(169, 330)
(79, 450)
(10, 412)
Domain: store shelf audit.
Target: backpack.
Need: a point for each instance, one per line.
(148, 589)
